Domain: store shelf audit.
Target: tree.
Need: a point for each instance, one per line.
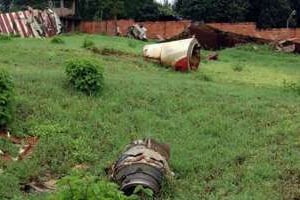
(273, 13)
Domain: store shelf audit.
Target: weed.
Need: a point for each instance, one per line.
(88, 43)
(86, 187)
(4, 37)
(238, 67)
(6, 99)
(85, 75)
(291, 86)
(132, 43)
(204, 77)
(57, 40)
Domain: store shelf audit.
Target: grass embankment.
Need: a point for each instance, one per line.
(233, 128)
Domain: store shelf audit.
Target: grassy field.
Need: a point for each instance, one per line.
(234, 129)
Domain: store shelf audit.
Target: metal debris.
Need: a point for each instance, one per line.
(30, 23)
(287, 46)
(182, 55)
(137, 32)
(143, 163)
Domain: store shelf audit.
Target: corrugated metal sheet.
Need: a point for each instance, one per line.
(30, 23)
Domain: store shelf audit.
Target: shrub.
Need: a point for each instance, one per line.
(85, 75)
(57, 40)
(5, 37)
(6, 99)
(87, 187)
(87, 43)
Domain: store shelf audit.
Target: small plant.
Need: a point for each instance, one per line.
(144, 193)
(292, 86)
(6, 99)
(57, 40)
(85, 75)
(238, 67)
(87, 187)
(88, 44)
(132, 43)
(4, 37)
(203, 77)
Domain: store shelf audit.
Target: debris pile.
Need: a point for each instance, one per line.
(143, 163)
(212, 38)
(30, 23)
(137, 32)
(25, 146)
(182, 55)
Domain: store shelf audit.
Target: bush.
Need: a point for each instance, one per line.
(6, 99)
(4, 37)
(86, 187)
(87, 43)
(57, 40)
(85, 75)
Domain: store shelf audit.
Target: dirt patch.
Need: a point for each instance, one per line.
(290, 184)
(25, 145)
(111, 52)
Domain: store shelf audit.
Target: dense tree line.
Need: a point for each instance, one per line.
(139, 10)
(267, 13)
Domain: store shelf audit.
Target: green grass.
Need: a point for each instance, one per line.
(234, 134)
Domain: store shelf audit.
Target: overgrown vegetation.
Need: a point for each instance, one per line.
(6, 99)
(292, 86)
(57, 40)
(4, 37)
(235, 137)
(85, 75)
(88, 44)
(87, 187)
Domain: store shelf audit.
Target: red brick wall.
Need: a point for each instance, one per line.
(169, 29)
(249, 29)
(165, 29)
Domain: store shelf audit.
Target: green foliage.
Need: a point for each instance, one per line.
(57, 40)
(292, 86)
(144, 193)
(88, 44)
(238, 67)
(231, 138)
(87, 187)
(4, 37)
(6, 99)
(85, 75)
(267, 13)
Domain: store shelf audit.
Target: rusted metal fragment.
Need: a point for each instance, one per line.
(137, 31)
(143, 163)
(30, 23)
(182, 55)
(212, 38)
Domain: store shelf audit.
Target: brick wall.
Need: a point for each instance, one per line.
(166, 29)
(249, 29)
(169, 29)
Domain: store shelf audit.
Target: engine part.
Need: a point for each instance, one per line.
(145, 163)
(182, 55)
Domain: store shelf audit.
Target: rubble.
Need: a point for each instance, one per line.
(212, 39)
(182, 55)
(143, 163)
(30, 23)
